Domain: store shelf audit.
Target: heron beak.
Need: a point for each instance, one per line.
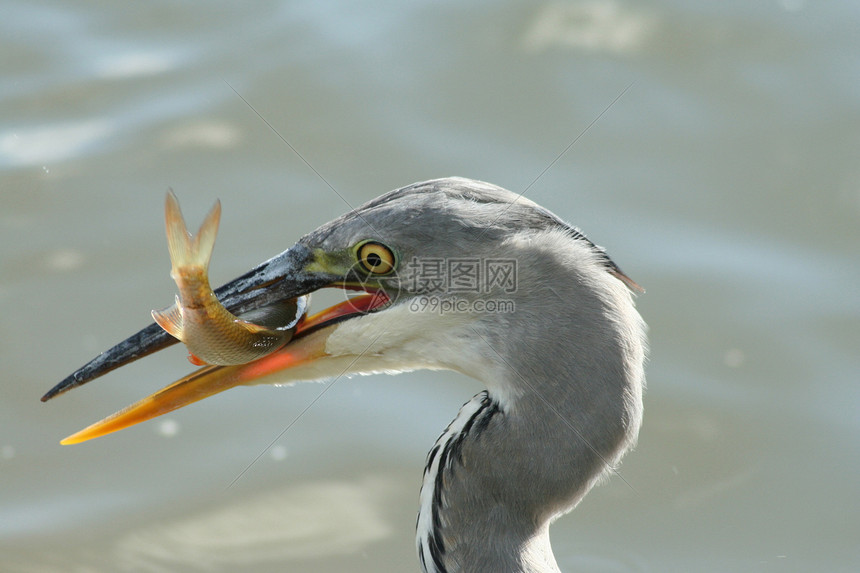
(281, 278)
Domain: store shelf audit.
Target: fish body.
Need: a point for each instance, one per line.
(211, 333)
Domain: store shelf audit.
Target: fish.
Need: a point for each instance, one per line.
(212, 334)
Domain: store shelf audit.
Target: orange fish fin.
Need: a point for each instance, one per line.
(178, 237)
(170, 319)
(196, 361)
(185, 250)
(204, 240)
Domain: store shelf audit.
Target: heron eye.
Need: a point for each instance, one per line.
(375, 258)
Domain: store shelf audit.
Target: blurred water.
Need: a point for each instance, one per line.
(725, 180)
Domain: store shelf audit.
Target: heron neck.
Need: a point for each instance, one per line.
(461, 526)
(564, 374)
(511, 462)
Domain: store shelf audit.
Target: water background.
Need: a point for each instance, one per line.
(725, 179)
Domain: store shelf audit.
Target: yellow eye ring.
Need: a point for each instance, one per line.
(374, 258)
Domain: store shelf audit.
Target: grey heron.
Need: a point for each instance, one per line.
(563, 364)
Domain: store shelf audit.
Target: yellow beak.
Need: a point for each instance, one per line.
(306, 348)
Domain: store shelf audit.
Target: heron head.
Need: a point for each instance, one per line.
(439, 274)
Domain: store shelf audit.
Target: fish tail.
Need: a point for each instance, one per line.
(170, 319)
(204, 241)
(185, 250)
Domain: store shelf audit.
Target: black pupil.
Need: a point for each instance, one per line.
(373, 260)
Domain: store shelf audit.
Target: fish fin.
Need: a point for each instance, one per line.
(185, 250)
(204, 240)
(170, 319)
(178, 237)
(196, 360)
